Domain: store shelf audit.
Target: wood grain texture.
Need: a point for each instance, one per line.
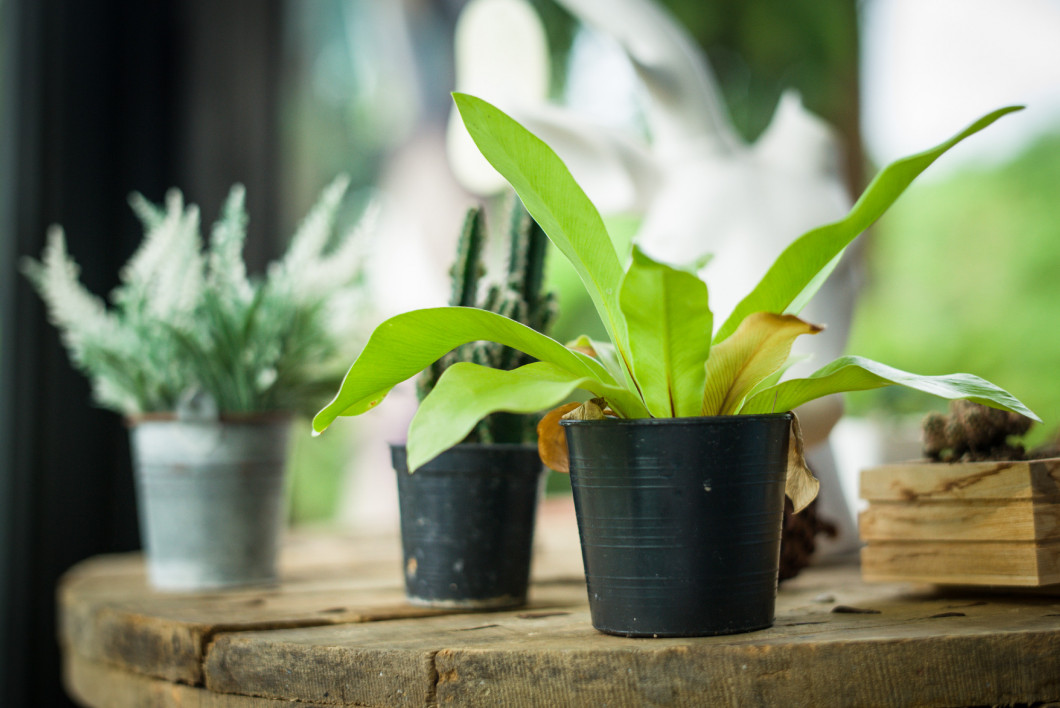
(337, 633)
(1026, 564)
(116, 618)
(121, 621)
(922, 481)
(971, 520)
(95, 684)
(975, 523)
(917, 648)
(833, 672)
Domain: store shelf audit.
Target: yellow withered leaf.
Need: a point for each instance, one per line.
(758, 347)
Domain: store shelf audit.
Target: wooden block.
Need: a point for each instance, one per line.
(922, 481)
(1026, 564)
(970, 520)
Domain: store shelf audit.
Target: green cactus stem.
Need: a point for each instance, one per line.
(520, 296)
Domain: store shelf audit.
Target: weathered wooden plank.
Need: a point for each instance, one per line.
(945, 672)
(377, 667)
(1022, 563)
(892, 647)
(165, 636)
(108, 613)
(913, 481)
(94, 684)
(967, 520)
(389, 663)
(837, 641)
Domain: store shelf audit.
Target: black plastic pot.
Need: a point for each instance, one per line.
(467, 525)
(680, 521)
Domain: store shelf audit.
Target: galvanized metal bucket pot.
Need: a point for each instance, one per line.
(210, 497)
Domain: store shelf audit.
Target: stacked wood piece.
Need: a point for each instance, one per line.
(969, 523)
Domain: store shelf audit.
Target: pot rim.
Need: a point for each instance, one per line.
(686, 421)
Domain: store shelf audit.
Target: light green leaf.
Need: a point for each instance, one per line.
(405, 344)
(555, 200)
(669, 323)
(854, 373)
(480, 391)
(756, 349)
(604, 352)
(803, 267)
(774, 378)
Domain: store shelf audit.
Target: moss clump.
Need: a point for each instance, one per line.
(974, 432)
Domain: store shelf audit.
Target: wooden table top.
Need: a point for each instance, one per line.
(337, 632)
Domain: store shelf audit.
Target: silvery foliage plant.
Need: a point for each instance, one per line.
(187, 321)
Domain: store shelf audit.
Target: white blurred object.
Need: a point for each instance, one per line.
(928, 66)
(699, 188)
(500, 50)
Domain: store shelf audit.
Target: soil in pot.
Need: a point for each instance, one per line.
(680, 521)
(467, 524)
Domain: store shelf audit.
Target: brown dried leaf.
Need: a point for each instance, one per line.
(800, 486)
(552, 441)
(593, 409)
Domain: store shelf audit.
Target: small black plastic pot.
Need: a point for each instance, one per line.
(680, 521)
(467, 525)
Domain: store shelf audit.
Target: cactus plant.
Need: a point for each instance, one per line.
(974, 432)
(520, 297)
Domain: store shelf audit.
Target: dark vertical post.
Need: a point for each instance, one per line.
(100, 99)
(227, 105)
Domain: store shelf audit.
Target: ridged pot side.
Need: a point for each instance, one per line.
(680, 521)
(467, 525)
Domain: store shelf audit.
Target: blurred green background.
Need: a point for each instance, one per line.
(964, 275)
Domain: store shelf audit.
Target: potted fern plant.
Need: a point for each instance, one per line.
(691, 419)
(467, 516)
(208, 365)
